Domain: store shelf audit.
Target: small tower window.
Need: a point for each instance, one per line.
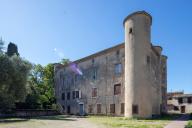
(130, 30)
(148, 59)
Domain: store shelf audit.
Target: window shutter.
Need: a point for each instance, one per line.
(79, 94)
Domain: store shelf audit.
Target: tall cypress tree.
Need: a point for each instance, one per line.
(12, 49)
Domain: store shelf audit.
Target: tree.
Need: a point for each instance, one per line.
(1, 45)
(6, 73)
(65, 61)
(19, 80)
(41, 87)
(13, 71)
(12, 49)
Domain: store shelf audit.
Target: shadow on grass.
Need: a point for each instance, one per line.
(24, 119)
(9, 120)
(170, 117)
(57, 117)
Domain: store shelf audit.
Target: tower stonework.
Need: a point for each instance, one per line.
(137, 44)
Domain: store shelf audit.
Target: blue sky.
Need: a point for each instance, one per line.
(48, 30)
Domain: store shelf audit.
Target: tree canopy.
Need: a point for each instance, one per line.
(41, 87)
(12, 49)
(13, 72)
(1, 46)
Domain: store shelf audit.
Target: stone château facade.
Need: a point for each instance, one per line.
(129, 79)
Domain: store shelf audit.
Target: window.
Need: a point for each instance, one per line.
(117, 89)
(148, 59)
(118, 68)
(135, 109)
(117, 52)
(189, 100)
(176, 108)
(63, 82)
(68, 96)
(90, 109)
(63, 108)
(63, 96)
(68, 109)
(73, 94)
(98, 108)
(94, 74)
(122, 108)
(77, 94)
(94, 92)
(130, 30)
(76, 78)
(180, 100)
(93, 61)
(112, 108)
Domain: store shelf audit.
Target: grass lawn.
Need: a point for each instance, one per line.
(189, 125)
(121, 122)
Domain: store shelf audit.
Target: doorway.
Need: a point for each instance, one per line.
(182, 109)
(68, 110)
(81, 109)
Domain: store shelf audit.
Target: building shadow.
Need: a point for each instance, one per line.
(9, 120)
(171, 117)
(57, 117)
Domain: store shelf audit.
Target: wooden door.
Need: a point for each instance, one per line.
(182, 109)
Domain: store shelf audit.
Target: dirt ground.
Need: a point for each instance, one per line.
(48, 122)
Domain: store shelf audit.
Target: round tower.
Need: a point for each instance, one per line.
(137, 45)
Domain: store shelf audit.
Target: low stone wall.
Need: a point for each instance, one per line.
(30, 113)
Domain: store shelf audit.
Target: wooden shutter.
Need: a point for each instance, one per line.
(122, 108)
(98, 108)
(112, 108)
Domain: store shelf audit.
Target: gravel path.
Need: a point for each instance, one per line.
(181, 122)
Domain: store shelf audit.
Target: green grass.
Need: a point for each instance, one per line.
(189, 125)
(121, 122)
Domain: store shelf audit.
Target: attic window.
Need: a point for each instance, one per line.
(130, 30)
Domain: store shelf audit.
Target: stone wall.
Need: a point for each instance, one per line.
(104, 82)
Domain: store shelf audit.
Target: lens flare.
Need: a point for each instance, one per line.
(75, 69)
